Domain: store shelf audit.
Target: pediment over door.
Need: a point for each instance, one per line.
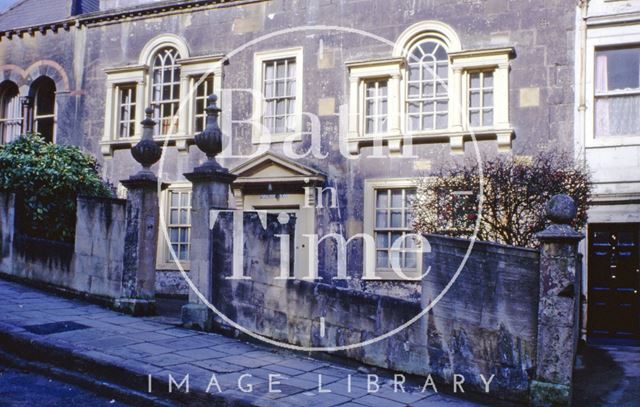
(270, 172)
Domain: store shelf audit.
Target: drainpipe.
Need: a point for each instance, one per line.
(580, 135)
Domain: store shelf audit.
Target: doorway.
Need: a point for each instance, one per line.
(614, 281)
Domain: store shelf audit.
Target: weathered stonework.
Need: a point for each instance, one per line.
(76, 57)
(210, 191)
(138, 280)
(559, 306)
(486, 324)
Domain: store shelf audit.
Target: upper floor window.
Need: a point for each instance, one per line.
(435, 90)
(277, 95)
(427, 92)
(203, 90)
(279, 90)
(165, 89)
(480, 104)
(169, 80)
(617, 92)
(10, 112)
(43, 90)
(376, 100)
(126, 110)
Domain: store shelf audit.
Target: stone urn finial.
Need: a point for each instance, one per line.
(147, 152)
(210, 139)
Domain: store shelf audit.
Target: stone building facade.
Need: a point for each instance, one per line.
(356, 73)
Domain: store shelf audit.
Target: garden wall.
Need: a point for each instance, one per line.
(486, 324)
(91, 267)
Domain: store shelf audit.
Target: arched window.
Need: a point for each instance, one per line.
(165, 89)
(10, 112)
(427, 86)
(43, 91)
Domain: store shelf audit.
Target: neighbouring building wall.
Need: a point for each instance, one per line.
(485, 324)
(607, 140)
(611, 152)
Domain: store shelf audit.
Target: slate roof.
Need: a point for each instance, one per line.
(32, 13)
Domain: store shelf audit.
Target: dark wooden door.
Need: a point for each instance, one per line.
(614, 281)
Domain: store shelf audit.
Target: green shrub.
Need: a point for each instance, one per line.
(49, 177)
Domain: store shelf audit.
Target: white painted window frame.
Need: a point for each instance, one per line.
(605, 37)
(259, 60)
(460, 64)
(370, 186)
(163, 252)
(140, 74)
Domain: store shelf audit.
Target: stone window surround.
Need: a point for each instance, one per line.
(602, 37)
(191, 69)
(369, 264)
(259, 58)
(163, 250)
(461, 64)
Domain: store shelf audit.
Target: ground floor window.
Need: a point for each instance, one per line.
(388, 219)
(176, 206)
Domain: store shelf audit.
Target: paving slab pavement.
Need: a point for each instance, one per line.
(607, 376)
(142, 352)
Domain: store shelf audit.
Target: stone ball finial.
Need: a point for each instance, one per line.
(561, 209)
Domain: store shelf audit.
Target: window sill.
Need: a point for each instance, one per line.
(386, 275)
(609, 142)
(277, 138)
(456, 139)
(182, 142)
(164, 267)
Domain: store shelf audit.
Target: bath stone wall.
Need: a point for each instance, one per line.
(486, 324)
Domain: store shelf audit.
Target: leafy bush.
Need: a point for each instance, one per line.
(516, 191)
(49, 177)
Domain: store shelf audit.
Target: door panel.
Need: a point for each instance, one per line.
(614, 281)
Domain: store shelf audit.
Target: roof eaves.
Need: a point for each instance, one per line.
(155, 8)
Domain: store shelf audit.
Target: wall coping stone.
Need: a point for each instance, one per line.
(484, 245)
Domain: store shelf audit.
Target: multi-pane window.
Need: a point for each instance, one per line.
(617, 92)
(203, 90)
(279, 93)
(165, 88)
(126, 110)
(393, 219)
(481, 99)
(427, 87)
(10, 113)
(179, 223)
(376, 101)
(44, 102)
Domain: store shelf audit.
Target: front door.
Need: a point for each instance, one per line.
(291, 204)
(614, 281)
